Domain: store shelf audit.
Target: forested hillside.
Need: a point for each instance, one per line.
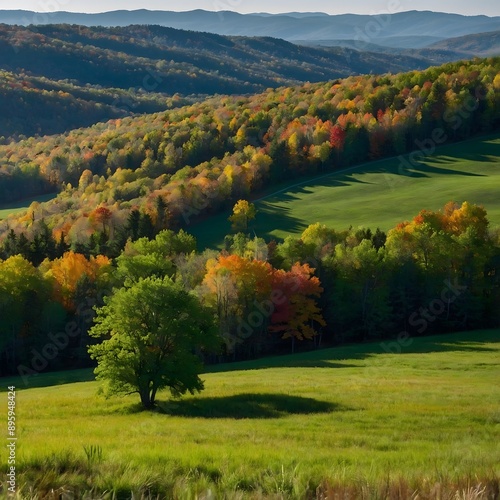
(484, 44)
(36, 105)
(423, 48)
(194, 160)
(61, 77)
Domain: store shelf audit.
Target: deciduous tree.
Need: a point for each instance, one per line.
(150, 333)
(243, 213)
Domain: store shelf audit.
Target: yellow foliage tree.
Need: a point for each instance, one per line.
(243, 213)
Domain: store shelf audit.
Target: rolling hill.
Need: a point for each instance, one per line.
(35, 105)
(437, 52)
(410, 26)
(178, 60)
(480, 44)
(376, 194)
(202, 158)
(60, 77)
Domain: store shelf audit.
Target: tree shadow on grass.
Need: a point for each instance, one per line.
(240, 406)
(307, 359)
(270, 217)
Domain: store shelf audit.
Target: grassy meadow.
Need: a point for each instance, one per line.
(363, 421)
(376, 194)
(23, 205)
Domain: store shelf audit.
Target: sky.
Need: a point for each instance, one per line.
(465, 7)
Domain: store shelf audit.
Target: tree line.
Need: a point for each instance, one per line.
(438, 272)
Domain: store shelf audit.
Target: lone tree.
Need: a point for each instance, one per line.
(243, 213)
(151, 331)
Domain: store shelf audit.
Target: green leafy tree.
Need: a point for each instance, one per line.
(23, 294)
(151, 331)
(146, 257)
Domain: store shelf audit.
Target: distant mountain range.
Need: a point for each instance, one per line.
(451, 49)
(413, 29)
(481, 44)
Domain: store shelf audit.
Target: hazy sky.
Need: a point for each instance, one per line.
(467, 7)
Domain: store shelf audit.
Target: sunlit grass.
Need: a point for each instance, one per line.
(282, 425)
(376, 194)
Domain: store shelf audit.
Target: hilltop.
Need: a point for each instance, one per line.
(479, 44)
(174, 60)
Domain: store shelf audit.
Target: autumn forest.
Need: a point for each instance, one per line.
(126, 192)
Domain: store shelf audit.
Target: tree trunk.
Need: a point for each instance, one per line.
(153, 395)
(145, 398)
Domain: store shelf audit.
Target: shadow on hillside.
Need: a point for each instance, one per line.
(336, 180)
(47, 379)
(333, 357)
(468, 341)
(417, 170)
(26, 202)
(322, 358)
(307, 187)
(424, 170)
(421, 170)
(317, 363)
(268, 216)
(271, 216)
(484, 151)
(451, 346)
(242, 406)
(477, 150)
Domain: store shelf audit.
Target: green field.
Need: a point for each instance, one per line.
(354, 421)
(377, 194)
(21, 206)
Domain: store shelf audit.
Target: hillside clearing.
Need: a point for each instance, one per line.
(376, 194)
(23, 205)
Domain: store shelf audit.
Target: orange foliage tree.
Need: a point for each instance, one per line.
(68, 270)
(296, 310)
(250, 295)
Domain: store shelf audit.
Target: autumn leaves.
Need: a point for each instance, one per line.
(253, 299)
